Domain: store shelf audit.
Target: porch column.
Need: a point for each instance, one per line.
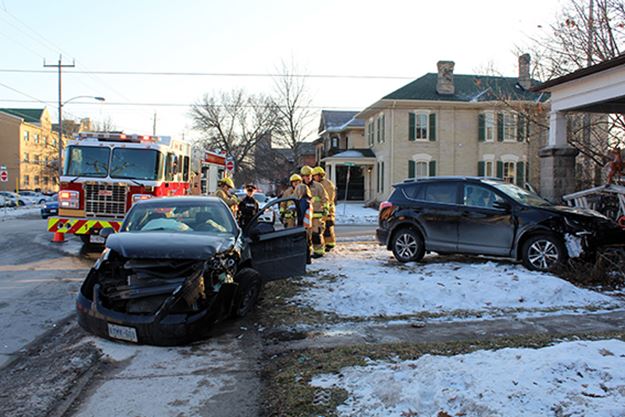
(557, 161)
(333, 172)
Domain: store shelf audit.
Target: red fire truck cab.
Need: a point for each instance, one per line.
(106, 173)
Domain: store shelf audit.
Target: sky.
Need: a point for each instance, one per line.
(390, 39)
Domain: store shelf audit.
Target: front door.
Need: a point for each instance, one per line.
(277, 252)
(483, 228)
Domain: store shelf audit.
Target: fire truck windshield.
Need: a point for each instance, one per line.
(87, 161)
(141, 164)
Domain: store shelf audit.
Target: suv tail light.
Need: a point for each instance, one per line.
(385, 204)
(69, 199)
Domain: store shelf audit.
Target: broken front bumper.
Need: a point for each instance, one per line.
(161, 329)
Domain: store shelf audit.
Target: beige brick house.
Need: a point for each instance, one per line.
(28, 149)
(448, 124)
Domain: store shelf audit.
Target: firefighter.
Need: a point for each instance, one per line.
(225, 186)
(303, 195)
(319, 205)
(248, 207)
(328, 235)
(288, 209)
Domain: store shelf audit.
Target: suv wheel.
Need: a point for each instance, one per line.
(408, 246)
(543, 253)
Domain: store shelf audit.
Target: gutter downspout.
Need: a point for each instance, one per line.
(392, 155)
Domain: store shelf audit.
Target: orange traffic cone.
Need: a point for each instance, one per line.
(58, 237)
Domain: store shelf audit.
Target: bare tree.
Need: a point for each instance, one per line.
(235, 123)
(293, 105)
(584, 33)
(104, 125)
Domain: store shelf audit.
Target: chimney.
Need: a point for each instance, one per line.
(445, 81)
(524, 71)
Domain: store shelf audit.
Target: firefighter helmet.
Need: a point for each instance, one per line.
(295, 177)
(306, 170)
(318, 171)
(226, 181)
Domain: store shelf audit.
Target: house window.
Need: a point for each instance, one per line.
(509, 172)
(378, 129)
(54, 142)
(46, 181)
(335, 142)
(380, 169)
(36, 138)
(36, 179)
(26, 180)
(421, 126)
(26, 158)
(370, 133)
(488, 169)
(36, 159)
(45, 140)
(509, 127)
(489, 126)
(26, 136)
(421, 169)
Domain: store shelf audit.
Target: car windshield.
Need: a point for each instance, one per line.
(142, 164)
(87, 161)
(519, 194)
(210, 217)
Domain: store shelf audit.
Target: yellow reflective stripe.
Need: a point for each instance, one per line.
(85, 228)
(318, 215)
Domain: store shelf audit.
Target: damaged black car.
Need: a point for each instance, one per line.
(488, 216)
(181, 264)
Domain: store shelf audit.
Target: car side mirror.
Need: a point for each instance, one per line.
(106, 232)
(502, 205)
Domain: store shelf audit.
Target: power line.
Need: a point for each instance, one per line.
(217, 74)
(36, 100)
(156, 104)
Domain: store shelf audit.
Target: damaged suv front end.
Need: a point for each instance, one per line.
(167, 276)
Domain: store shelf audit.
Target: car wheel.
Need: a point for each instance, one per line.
(21, 203)
(407, 245)
(42, 201)
(543, 253)
(247, 294)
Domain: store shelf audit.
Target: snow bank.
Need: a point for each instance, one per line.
(11, 212)
(355, 213)
(369, 283)
(567, 379)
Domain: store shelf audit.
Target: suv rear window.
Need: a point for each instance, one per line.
(443, 193)
(414, 191)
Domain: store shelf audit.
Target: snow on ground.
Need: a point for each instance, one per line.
(368, 282)
(355, 213)
(13, 212)
(162, 381)
(578, 379)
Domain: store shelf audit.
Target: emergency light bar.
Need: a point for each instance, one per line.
(117, 137)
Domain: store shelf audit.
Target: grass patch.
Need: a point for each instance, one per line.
(287, 390)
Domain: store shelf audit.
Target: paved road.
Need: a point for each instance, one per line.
(347, 231)
(38, 283)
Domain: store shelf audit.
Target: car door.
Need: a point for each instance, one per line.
(277, 252)
(485, 227)
(439, 214)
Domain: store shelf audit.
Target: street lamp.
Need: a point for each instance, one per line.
(61, 104)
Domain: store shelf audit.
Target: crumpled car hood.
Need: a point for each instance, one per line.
(157, 245)
(575, 210)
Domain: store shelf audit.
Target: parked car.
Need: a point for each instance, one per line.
(258, 196)
(51, 208)
(484, 216)
(180, 264)
(33, 197)
(13, 200)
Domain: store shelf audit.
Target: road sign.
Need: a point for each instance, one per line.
(4, 176)
(230, 165)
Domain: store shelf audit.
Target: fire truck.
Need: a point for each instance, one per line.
(106, 173)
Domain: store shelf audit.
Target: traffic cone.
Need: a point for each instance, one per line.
(58, 237)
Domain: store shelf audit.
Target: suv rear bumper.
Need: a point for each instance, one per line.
(382, 236)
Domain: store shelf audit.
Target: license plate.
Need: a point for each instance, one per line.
(122, 332)
(96, 239)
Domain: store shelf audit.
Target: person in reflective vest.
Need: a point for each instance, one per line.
(226, 185)
(319, 207)
(288, 209)
(248, 207)
(304, 215)
(319, 175)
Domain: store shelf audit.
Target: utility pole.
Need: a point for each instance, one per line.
(60, 66)
(154, 125)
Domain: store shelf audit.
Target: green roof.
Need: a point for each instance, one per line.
(29, 115)
(468, 88)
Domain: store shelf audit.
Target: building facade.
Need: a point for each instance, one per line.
(446, 124)
(28, 149)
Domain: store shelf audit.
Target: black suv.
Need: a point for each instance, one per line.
(486, 216)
